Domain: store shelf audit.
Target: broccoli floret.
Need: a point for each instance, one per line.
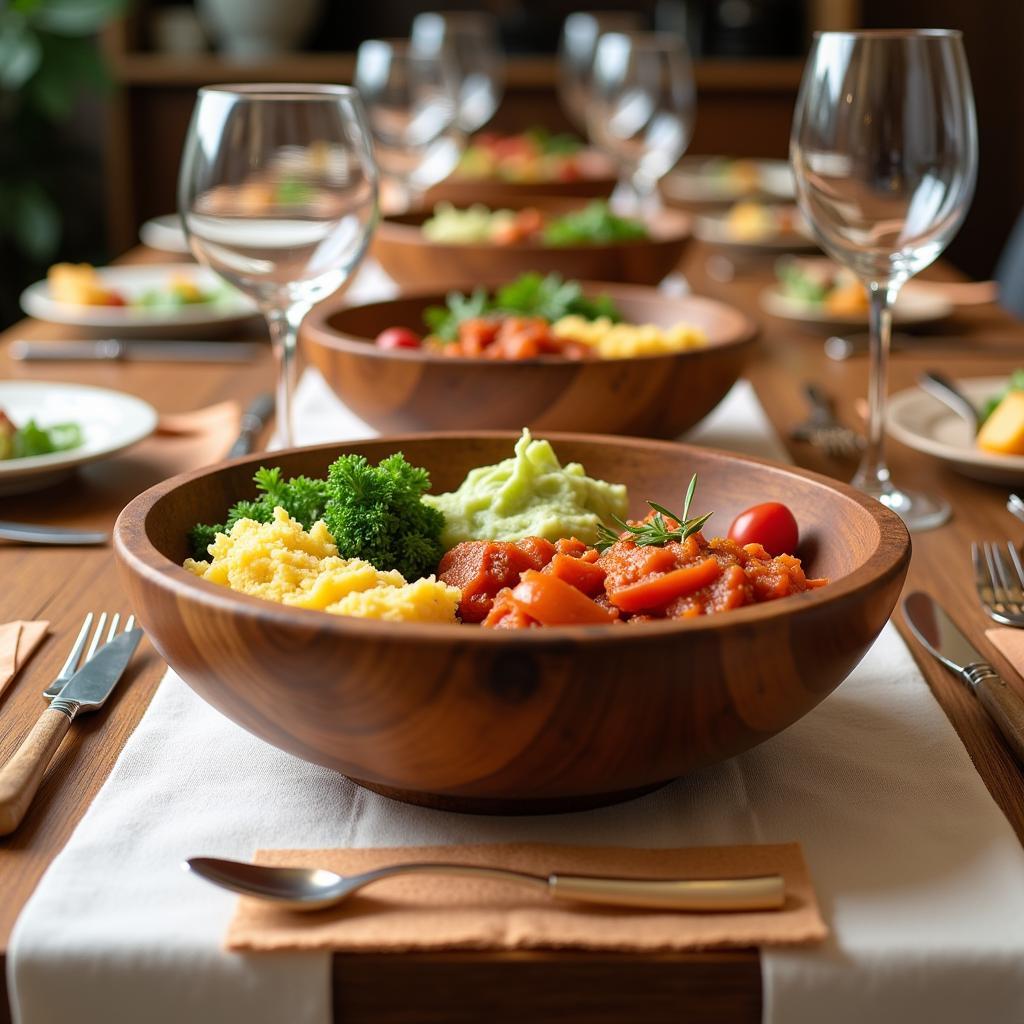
(375, 513)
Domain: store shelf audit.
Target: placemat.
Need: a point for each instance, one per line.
(442, 912)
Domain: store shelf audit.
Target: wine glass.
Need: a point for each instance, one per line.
(580, 33)
(278, 195)
(885, 152)
(411, 105)
(641, 109)
(469, 41)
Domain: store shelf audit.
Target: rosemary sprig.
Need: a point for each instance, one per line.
(657, 531)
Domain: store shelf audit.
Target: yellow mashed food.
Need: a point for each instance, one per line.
(280, 561)
(623, 341)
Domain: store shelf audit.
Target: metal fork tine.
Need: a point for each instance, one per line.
(100, 626)
(980, 575)
(129, 624)
(1017, 567)
(1003, 570)
(114, 622)
(76, 649)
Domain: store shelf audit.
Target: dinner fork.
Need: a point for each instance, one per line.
(823, 430)
(999, 579)
(71, 666)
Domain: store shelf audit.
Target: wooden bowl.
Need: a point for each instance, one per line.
(416, 262)
(652, 396)
(549, 719)
(598, 181)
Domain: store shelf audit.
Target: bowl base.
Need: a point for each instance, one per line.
(513, 806)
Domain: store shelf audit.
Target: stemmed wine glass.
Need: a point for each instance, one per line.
(885, 152)
(411, 103)
(580, 33)
(469, 41)
(641, 109)
(278, 195)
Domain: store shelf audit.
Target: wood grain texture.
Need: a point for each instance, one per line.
(419, 264)
(21, 775)
(653, 396)
(538, 720)
(576, 988)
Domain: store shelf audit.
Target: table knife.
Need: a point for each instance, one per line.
(254, 419)
(86, 690)
(28, 533)
(163, 351)
(941, 636)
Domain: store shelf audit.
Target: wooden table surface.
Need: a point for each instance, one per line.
(62, 584)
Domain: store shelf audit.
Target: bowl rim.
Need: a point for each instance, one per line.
(137, 554)
(680, 225)
(315, 330)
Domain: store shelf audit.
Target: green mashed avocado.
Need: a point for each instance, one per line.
(529, 495)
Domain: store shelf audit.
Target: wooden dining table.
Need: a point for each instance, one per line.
(62, 584)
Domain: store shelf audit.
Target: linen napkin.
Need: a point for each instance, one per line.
(919, 875)
(1009, 643)
(440, 912)
(17, 642)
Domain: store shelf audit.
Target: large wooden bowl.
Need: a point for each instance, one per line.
(548, 719)
(416, 262)
(652, 396)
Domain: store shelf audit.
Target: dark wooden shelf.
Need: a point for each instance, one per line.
(156, 70)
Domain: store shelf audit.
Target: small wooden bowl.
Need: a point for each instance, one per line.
(651, 396)
(416, 262)
(470, 719)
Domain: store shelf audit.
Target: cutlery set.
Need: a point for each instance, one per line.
(80, 686)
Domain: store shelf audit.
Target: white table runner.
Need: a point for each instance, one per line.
(917, 871)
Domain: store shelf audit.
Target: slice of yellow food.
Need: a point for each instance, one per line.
(1003, 431)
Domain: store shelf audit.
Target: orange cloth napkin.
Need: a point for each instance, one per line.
(437, 912)
(1010, 644)
(17, 642)
(185, 441)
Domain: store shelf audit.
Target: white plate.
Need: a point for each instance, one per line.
(123, 321)
(911, 307)
(695, 181)
(713, 228)
(110, 422)
(923, 423)
(164, 233)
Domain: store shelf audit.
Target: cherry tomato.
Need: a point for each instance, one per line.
(398, 337)
(771, 525)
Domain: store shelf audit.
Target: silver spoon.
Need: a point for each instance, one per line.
(939, 386)
(27, 533)
(315, 888)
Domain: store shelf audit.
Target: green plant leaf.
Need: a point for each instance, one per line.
(20, 51)
(68, 65)
(34, 221)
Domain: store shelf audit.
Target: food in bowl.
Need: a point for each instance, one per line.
(819, 284)
(594, 224)
(367, 542)
(751, 221)
(529, 157)
(1002, 419)
(31, 439)
(537, 316)
(79, 284)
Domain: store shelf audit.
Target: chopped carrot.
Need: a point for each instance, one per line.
(553, 602)
(657, 591)
(584, 576)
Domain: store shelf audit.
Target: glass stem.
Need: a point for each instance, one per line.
(872, 475)
(284, 337)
